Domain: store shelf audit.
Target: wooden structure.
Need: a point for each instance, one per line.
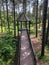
(23, 23)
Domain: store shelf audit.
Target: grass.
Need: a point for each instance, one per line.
(45, 58)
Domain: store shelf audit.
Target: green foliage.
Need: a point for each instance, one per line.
(8, 47)
(34, 21)
(45, 58)
(1, 62)
(47, 47)
(33, 30)
(48, 42)
(7, 53)
(39, 54)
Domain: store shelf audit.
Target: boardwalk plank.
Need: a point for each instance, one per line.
(25, 53)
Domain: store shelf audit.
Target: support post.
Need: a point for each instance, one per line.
(29, 27)
(18, 29)
(21, 27)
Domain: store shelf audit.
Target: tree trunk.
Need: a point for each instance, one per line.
(4, 15)
(1, 20)
(47, 33)
(44, 26)
(14, 19)
(36, 17)
(24, 6)
(34, 9)
(7, 15)
(39, 17)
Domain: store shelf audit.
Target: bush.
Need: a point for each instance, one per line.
(1, 62)
(7, 53)
(8, 47)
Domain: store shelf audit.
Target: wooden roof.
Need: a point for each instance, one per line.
(23, 17)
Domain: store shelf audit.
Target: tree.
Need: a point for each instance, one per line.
(47, 33)
(3, 14)
(24, 6)
(1, 17)
(36, 17)
(34, 8)
(44, 26)
(14, 19)
(7, 15)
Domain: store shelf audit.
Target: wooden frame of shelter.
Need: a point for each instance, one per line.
(23, 18)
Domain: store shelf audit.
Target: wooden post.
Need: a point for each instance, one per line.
(18, 29)
(29, 27)
(21, 27)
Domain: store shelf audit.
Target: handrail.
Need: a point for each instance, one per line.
(19, 51)
(35, 62)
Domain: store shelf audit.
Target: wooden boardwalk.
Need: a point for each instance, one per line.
(26, 57)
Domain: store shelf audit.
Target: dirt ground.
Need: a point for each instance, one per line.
(37, 46)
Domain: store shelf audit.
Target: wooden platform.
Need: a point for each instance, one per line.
(26, 57)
